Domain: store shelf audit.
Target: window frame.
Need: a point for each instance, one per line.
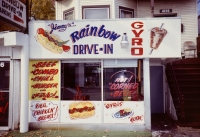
(67, 11)
(125, 9)
(95, 7)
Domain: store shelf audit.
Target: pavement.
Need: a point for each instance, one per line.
(75, 133)
(162, 126)
(178, 132)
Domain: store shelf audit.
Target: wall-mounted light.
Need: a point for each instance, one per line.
(124, 43)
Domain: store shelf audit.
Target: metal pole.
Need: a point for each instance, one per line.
(24, 107)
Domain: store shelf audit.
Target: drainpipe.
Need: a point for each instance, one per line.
(152, 7)
(113, 7)
(77, 10)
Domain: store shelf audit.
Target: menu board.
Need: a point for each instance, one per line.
(44, 91)
(44, 80)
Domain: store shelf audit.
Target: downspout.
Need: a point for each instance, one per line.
(77, 11)
(114, 14)
(152, 7)
(137, 16)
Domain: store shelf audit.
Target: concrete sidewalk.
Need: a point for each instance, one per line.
(75, 133)
(179, 132)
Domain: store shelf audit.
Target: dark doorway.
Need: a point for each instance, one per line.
(156, 89)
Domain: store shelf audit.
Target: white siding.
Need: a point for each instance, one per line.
(189, 20)
(59, 13)
(144, 9)
(186, 9)
(5, 51)
(77, 4)
(125, 3)
(65, 5)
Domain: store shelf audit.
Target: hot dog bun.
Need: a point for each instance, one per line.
(81, 110)
(49, 45)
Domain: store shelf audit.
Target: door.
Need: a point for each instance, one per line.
(156, 89)
(4, 93)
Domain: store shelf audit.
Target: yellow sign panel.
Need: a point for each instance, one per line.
(44, 80)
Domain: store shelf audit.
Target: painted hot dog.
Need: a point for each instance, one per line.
(51, 42)
(81, 110)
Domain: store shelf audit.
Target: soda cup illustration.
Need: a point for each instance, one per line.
(157, 35)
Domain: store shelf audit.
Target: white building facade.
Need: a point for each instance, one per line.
(88, 74)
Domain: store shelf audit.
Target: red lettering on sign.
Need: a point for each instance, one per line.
(113, 104)
(45, 95)
(41, 78)
(40, 105)
(45, 64)
(137, 25)
(135, 119)
(137, 34)
(45, 85)
(45, 71)
(137, 40)
(136, 51)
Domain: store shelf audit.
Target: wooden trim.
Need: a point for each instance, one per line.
(125, 8)
(71, 9)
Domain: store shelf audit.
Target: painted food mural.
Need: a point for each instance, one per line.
(81, 110)
(51, 42)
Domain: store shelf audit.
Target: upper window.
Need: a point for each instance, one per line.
(96, 12)
(126, 12)
(68, 14)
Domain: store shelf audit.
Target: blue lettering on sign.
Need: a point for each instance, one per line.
(94, 31)
(108, 48)
(83, 49)
(60, 28)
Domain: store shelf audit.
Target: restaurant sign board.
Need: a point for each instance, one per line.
(120, 38)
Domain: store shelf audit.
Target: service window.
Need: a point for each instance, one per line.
(81, 81)
(120, 84)
(122, 97)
